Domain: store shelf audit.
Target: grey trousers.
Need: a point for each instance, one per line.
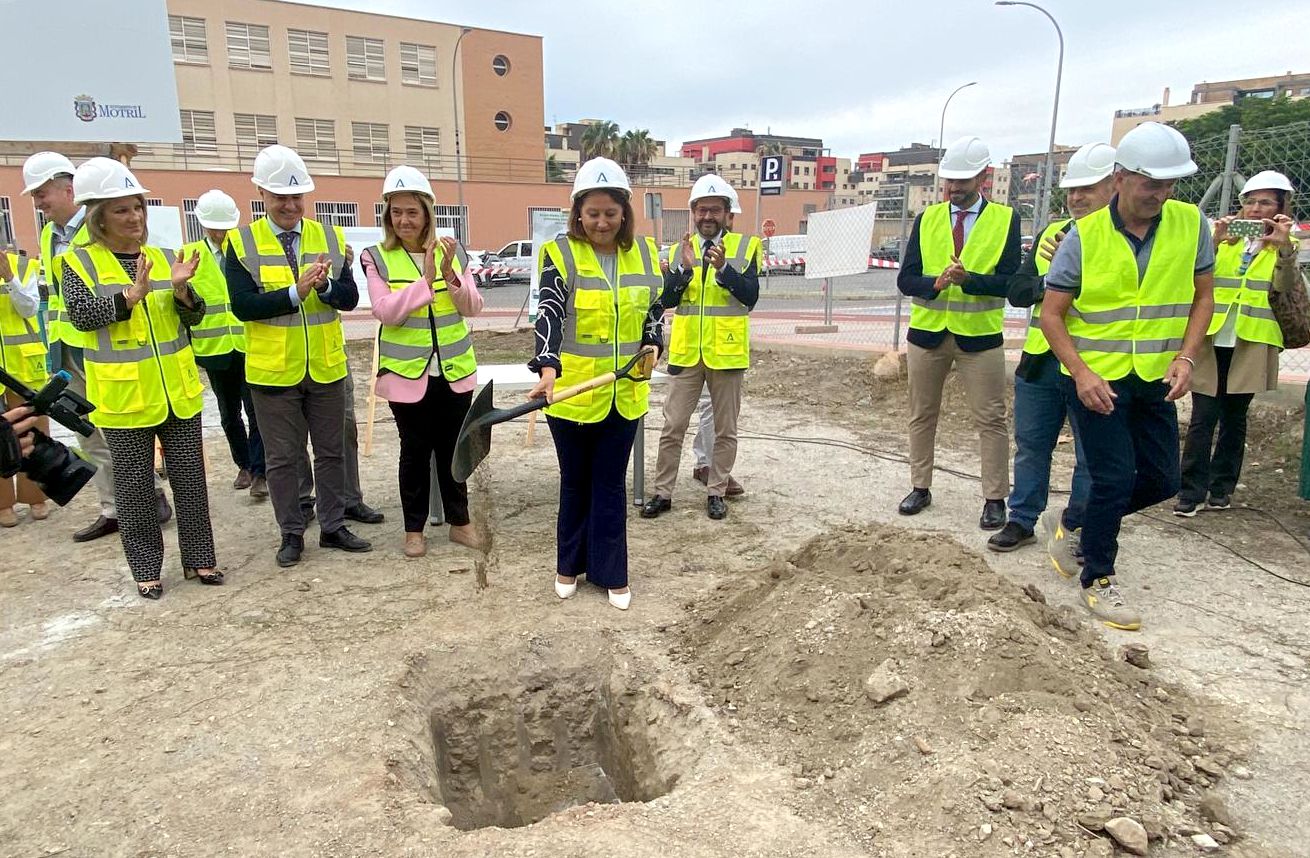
(703, 447)
(353, 495)
(288, 417)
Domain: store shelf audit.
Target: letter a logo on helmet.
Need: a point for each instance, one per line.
(601, 178)
(292, 181)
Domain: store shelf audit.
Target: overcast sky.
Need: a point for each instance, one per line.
(872, 76)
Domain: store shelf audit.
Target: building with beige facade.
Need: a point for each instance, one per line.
(1208, 96)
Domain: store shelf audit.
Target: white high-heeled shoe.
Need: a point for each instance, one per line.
(565, 590)
(621, 600)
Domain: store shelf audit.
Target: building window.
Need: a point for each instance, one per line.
(188, 37)
(194, 231)
(308, 50)
(255, 129)
(40, 219)
(337, 214)
(453, 218)
(503, 121)
(378, 209)
(154, 201)
(198, 134)
(6, 223)
(247, 46)
(418, 64)
(500, 65)
(532, 209)
(316, 138)
(422, 142)
(371, 140)
(365, 59)
(256, 209)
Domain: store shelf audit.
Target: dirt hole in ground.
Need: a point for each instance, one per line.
(513, 748)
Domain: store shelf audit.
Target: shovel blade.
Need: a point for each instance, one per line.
(474, 441)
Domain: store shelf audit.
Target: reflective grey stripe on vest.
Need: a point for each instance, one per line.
(984, 305)
(215, 309)
(696, 310)
(1221, 309)
(401, 352)
(252, 259)
(291, 320)
(23, 339)
(421, 323)
(1227, 282)
(588, 350)
(566, 256)
(104, 352)
(742, 260)
(1257, 313)
(101, 290)
(1144, 347)
(213, 333)
(379, 264)
(1259, 285)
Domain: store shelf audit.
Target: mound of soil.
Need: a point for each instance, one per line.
(931, 707)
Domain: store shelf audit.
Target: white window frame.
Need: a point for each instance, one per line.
(248, 46)
(413, 60)
(422, 142)
(370, 141)
(532, 209)
(257, 209)
(190, 223)
(452, 217)
(308, 53)
(262, 128)
(189, 39)
(314, 148)
(378, 209)
(195, 123)
(336, 213)
(366, 59)
(7, 220)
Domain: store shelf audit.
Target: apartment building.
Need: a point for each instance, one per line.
(1208, 96)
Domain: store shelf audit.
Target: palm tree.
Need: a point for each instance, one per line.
(774, 148)
(600, 140)
(637, 148)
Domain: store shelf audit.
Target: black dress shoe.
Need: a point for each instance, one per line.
(915, 502)
(1012, 536)
(716, 507)
(289, 553)
(150, 590)
(344, 540)
(993, 515)
(364, 514)
(165, 511)
(101, 527)
(655, 506)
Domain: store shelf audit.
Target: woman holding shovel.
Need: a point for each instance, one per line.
(597, 311)
(426, 367)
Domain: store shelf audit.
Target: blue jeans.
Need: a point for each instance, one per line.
(1039, 413)
(1132, 455)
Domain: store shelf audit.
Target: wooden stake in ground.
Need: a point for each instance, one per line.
(532, 430)
(372, 396)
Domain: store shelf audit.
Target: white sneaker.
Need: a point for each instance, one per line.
(1107, 603)
(565, 590)
(621, 600)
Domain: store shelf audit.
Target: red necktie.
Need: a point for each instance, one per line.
(957, 233)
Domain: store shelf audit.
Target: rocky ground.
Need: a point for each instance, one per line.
(808, 677)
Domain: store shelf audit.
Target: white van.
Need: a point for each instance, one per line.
(518, 254)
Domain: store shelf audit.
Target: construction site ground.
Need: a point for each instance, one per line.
(814, 675)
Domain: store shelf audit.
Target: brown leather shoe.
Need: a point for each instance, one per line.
(735, 489)
(701, 475)
(416, 545)
(466, 535)
(243, 480)
(259, 488)
(100, 527)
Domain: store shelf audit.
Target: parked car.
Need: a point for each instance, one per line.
(889, 250)
(486, 259)
(518, 254)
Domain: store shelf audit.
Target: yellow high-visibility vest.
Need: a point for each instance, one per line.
(954, 310)
(1036, 343)
(603, 325)
(140, 368)
(220, 332)
(58, 328)
(22, 352)
(710, 324)
(1247, 294)
(281, 350)
(1121, 324)
(436, 328)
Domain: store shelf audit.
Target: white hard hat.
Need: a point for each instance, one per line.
(1267, 180)
(1155, 151)
(216, 210)
(600, 173)
(711, 185)
(734, 201)
(964, 159)
(1089, 165)
(42, 167)
(279, 170)
(104, 179)
(405, 179)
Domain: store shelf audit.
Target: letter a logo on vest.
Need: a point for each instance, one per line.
(731, 338)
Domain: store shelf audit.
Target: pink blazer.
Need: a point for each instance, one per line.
(391, 308)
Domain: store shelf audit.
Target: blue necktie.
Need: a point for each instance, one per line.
(286, 238)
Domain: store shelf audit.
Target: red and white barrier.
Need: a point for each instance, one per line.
(771, 262)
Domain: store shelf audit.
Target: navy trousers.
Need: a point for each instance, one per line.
(592, 529)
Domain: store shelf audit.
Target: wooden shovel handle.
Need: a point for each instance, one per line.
(600, 380)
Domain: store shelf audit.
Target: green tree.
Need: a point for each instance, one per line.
(1252, 114)
(554, 170)
(637, 148)
(774, 148)
(600, 140)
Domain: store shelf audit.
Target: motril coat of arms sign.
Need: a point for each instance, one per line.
(84, 107)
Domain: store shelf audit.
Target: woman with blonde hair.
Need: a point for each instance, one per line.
(141, 374)
(426, 367)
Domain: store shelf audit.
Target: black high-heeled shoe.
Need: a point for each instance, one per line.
(214, 579)
(151, 591)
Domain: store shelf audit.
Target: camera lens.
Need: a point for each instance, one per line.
(56, 470)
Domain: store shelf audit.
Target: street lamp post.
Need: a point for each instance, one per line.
(459, 160)
(1044, 191)
(941, 143)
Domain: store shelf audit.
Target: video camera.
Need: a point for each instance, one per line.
(56, 470)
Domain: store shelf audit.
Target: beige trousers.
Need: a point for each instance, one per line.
(983, 374)
(684, 391)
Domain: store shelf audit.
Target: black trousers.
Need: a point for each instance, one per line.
(430, 426)
(592, 529)
(232, 392)
(1217, 472)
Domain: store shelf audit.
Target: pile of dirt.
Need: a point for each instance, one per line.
(931, 707)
